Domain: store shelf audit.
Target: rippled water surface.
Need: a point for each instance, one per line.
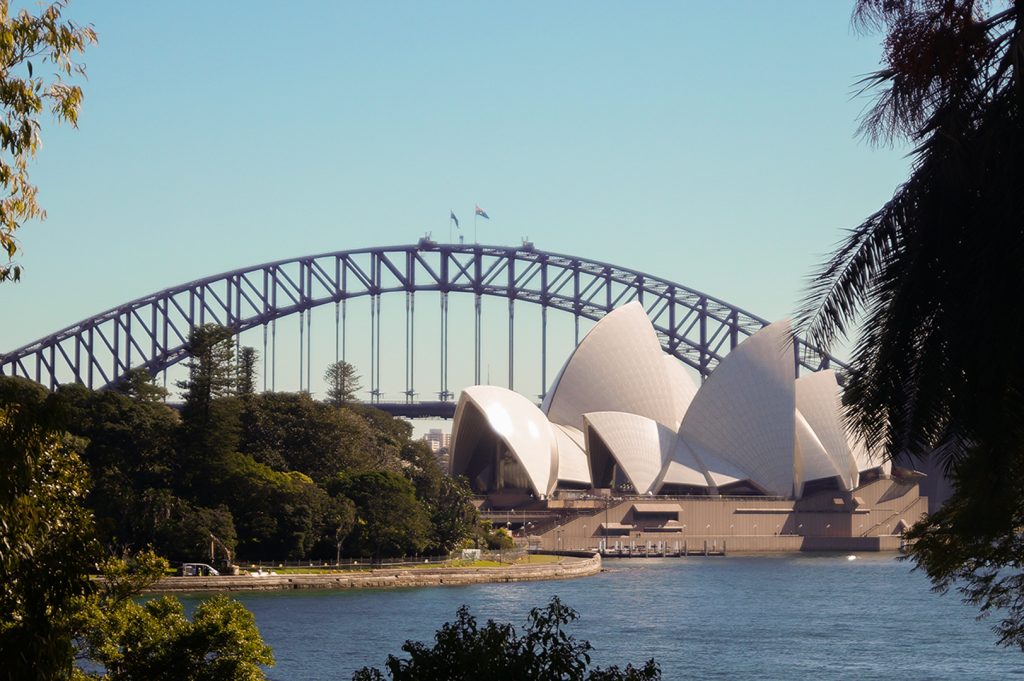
(778, 617)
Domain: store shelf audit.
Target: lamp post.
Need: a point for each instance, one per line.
(607, 503)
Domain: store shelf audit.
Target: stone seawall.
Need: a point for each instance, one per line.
(383, 578)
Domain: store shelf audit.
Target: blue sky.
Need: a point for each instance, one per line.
(709, 143)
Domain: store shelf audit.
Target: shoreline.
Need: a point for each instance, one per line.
(382, 578)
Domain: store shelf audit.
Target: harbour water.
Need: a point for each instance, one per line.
(765, 617)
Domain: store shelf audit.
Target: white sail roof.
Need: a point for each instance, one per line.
(819, 401)
(522, 427)
(683, 387)
(812, 461)
(619, 366)
(744, 412)
(641, 446)
(572, 456)
(620, 400)
(717, 471)
(683, 468)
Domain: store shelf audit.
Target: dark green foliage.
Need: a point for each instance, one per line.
(246, 380)
(172, 482)
(210, 366)
(453, 517)
(51, 613)
(178, 529)
(154, 640)
(338, 520)
(388, 437)
(390, 520)
(487, 536)
(47, 544)
(420, 466)
(342, 383)
(977, 547)
(138, 385)
(464, 651)
(447, 501)
(131, 448)
(291, 431)
(277, 514)
(934, 278)
(211, 420)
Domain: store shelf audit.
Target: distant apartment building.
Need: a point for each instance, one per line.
(439, 442)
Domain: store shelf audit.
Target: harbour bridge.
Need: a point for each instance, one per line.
(152, 332)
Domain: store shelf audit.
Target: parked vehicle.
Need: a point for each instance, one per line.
(198, 570)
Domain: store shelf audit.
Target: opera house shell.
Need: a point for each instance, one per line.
(622, 414)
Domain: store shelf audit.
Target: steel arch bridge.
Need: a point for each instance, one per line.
(152, 331)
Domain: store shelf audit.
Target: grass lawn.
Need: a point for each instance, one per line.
(524, 560)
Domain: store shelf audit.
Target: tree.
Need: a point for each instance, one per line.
(210, 418)
(934, 277)
(28, 41)
(211, 372)
(177, 528)
(139, 385)
(51, 613)
(390, 520)
(154, 640)
(342, 383)
(47, 542)
(130, 450)
(545, 652)
(390, 436)
(453, 517)
(291, 431)
(339, 520)
(246, 380)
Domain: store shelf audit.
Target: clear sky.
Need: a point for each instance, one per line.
(709, 143)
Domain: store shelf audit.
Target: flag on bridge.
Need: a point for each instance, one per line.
(455, 219)
(482, 213)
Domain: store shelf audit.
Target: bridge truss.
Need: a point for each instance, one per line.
(153, 331)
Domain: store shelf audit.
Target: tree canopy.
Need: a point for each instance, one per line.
(51, 612)
(343, 383)
(32, 44)
(934, 282)
(465, 651)
(47, 541)
(272, 476)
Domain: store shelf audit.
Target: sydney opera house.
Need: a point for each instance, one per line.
(624, 421)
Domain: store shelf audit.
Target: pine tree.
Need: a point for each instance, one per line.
(210, 420)
(342, 383)
(246, 385)
(210, 368)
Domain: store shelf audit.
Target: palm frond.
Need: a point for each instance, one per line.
(841, 287)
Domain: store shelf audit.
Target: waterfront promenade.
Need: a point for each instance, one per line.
(381, 578)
